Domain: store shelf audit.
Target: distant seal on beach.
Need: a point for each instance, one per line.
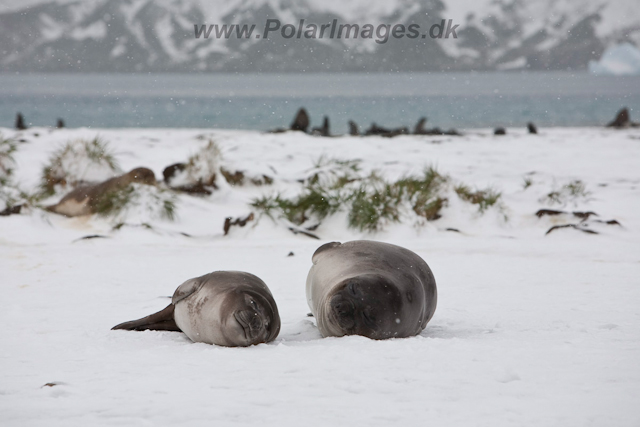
(228, 308)
(322, 131)
(83, 200)
(301, 121)
(368, 288)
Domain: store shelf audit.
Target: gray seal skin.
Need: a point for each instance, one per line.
(368, 288)
(83, 200)
(227, 308)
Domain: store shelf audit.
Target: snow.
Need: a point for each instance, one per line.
(164, 30)
(618, 60)
(530, 329)
(96, 30)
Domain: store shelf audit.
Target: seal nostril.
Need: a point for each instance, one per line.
(343, 310)
(369, 318)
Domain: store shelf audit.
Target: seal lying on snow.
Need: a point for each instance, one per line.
(370, 288)
(83, 200)
(229, 308)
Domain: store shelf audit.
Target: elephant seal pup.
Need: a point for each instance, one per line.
(228, 308)
(373, 289)
(84, 200)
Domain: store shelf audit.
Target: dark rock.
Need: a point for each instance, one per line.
(304, 232)
(11, 210)
(91, 236)
(610, 222)
(262, 180)
(500, 131)
(20, 125)
(235, 178)
(574, 226)
(584, 215)
(301, 122)
(238, 178)
(198, 189)
(230, 222)
(353, 128)
(550, 212)
(170, 171)
(324, 130)
(60, 124)
(291, 254)
(532, 128)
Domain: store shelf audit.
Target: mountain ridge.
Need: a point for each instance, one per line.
(158, 36)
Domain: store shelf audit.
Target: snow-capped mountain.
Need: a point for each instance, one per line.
(145, 35)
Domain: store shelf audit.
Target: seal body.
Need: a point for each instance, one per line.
(228, 308)
(368, 288)
(84, 200)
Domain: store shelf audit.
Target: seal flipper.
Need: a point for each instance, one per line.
(160, 321)
(187, 288)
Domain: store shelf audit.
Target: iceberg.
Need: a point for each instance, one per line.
(618, 60)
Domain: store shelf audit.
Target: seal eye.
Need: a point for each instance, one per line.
(253, 304)
(352, 288)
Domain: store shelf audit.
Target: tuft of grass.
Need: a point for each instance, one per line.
(205, 164)
(113, 202)
(483, 198)
(577, 189)
(323, 162)
(98, 151)
(370, 201)
(571, 191)
(267, 204)
(168, 211)
(423, 193)
(526, 183)
(430, 210)
(369, 210)
(312, 203)
(7, 162)
(158, 202)
(333, 174)
(70, 164)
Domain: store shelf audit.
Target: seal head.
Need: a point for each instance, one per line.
(372, 289)
(367, 305)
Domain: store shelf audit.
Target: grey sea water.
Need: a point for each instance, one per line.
(266, 101)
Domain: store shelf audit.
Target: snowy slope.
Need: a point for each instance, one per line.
(529, 330)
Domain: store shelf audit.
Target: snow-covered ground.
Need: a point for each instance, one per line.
(530, 329)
